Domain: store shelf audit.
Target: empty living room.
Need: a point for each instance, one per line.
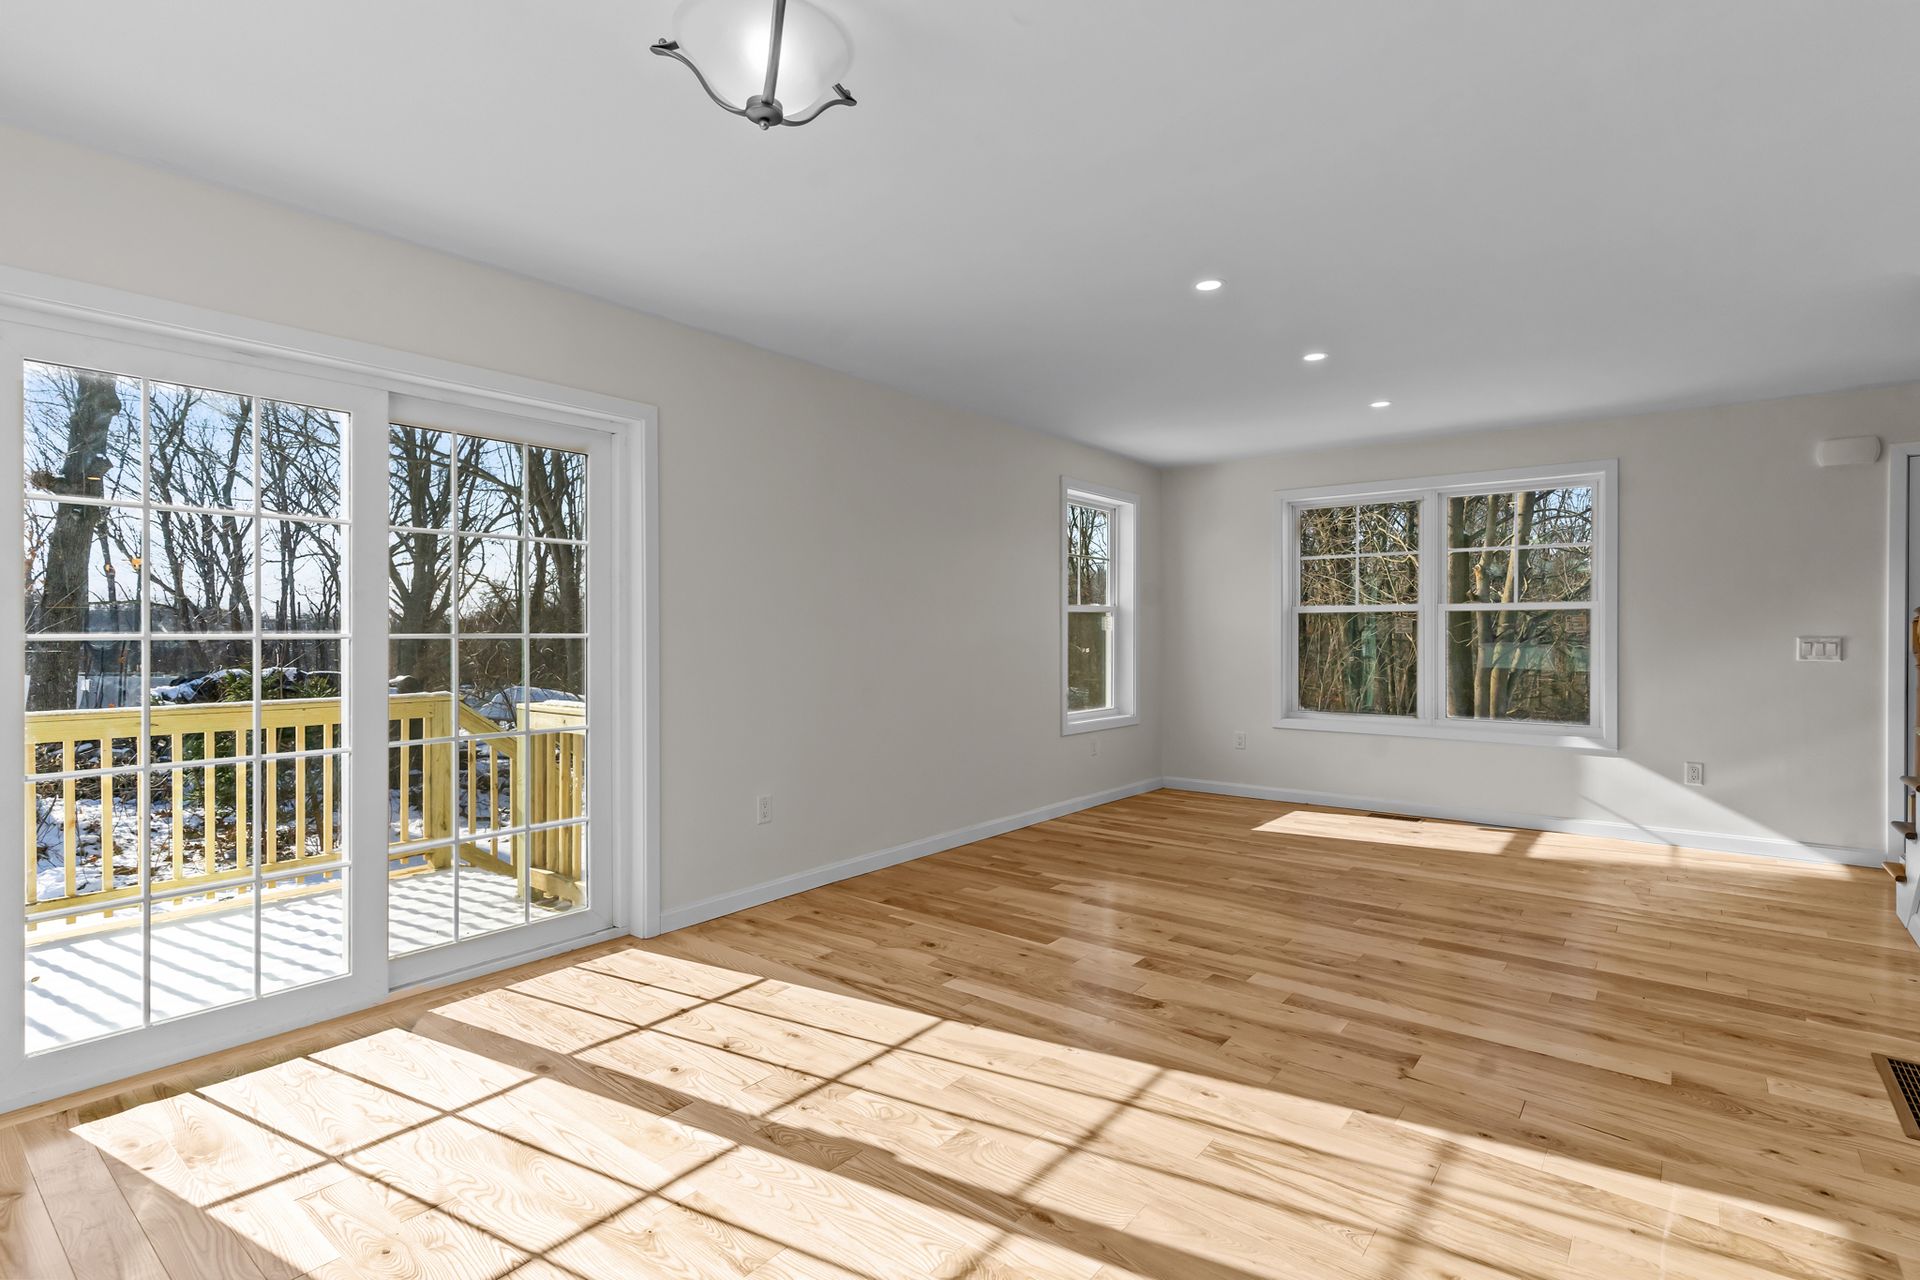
(890, 640)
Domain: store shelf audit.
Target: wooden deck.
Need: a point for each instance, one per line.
(1176, 1036)
(87, 983)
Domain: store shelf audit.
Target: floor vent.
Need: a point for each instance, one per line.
(1902, 1079)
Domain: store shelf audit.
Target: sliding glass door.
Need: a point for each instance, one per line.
(302, 676)
(491, 700)
(186, 725)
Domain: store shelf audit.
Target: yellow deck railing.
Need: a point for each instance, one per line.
(204, 798)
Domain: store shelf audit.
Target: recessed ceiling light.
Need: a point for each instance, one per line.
(1380, 404)
(1314, 357)
(1208, 286)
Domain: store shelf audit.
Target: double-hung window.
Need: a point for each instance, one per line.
(1097, 632)
(1460, 606)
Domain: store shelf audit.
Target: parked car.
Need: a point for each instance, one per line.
(499, 707)
(235, 684)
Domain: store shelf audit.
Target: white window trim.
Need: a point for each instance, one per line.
(1431, 721)
(1122, 583)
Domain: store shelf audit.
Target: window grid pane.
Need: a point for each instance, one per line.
(1359, 663)
(1514, 612)
(1515, 651)
(488, 660)
(167, 804)
(1520, 664)
(1091, 631)
(1089, 660)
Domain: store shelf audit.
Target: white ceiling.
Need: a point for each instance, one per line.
(1489, 211)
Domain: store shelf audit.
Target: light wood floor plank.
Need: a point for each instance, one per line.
(1179, 1036)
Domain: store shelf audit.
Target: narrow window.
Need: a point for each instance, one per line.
(1098, 589)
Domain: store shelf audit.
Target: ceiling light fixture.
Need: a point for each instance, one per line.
(801, 50)
(1208, 286)
(1381, 404)
(1314, 357)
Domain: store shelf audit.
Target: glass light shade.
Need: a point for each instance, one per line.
(728, 39)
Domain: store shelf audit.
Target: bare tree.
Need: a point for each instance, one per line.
(71, 446)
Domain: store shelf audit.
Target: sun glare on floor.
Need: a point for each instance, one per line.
(639, 1112)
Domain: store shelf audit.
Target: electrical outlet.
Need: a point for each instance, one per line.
(1695, 774)
(763, 810)
(1093, 740)
(1240, 740)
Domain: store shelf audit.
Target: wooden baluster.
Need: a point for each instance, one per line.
(570, 772)
(177, 785)
(553, 804)
(242, 832)
(442, 722)
(33, 836)
(401, 760)
(436, 791)
(432, 790)
(299, 765)
(70, 825)
(210, 792)
(571, 780)
(554, 780)
(493, 785)
(541, 806)
(106, 828)
(270, 814)
(561, 784)
(553, 773)
(517, 810)
(326, 803)
(429, 793)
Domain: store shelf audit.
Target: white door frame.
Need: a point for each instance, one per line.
(188, 333)
(1899, 678)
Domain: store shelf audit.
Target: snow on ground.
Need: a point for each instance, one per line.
(85, 982)
(474, 806)
(50, 859)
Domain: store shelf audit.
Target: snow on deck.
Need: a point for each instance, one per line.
(83, 985)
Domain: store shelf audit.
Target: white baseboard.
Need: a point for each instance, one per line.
(739, 900)
(754, 895)
(1767, 846)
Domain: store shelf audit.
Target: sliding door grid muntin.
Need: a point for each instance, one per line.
(457, 537)
(248, 769)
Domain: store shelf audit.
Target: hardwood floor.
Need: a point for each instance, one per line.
(1180, 1035)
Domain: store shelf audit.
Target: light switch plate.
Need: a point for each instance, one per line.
(1820, 649)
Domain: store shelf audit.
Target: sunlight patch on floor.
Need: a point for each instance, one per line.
(639, 1109)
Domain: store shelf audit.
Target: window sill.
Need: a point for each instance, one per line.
(1592, 742)
(1091, 722)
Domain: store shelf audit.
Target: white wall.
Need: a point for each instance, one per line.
(858, 588)
(1732, 542)
(859, 592)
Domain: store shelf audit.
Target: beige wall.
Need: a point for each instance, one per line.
(1732, 542)
(859, 591)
